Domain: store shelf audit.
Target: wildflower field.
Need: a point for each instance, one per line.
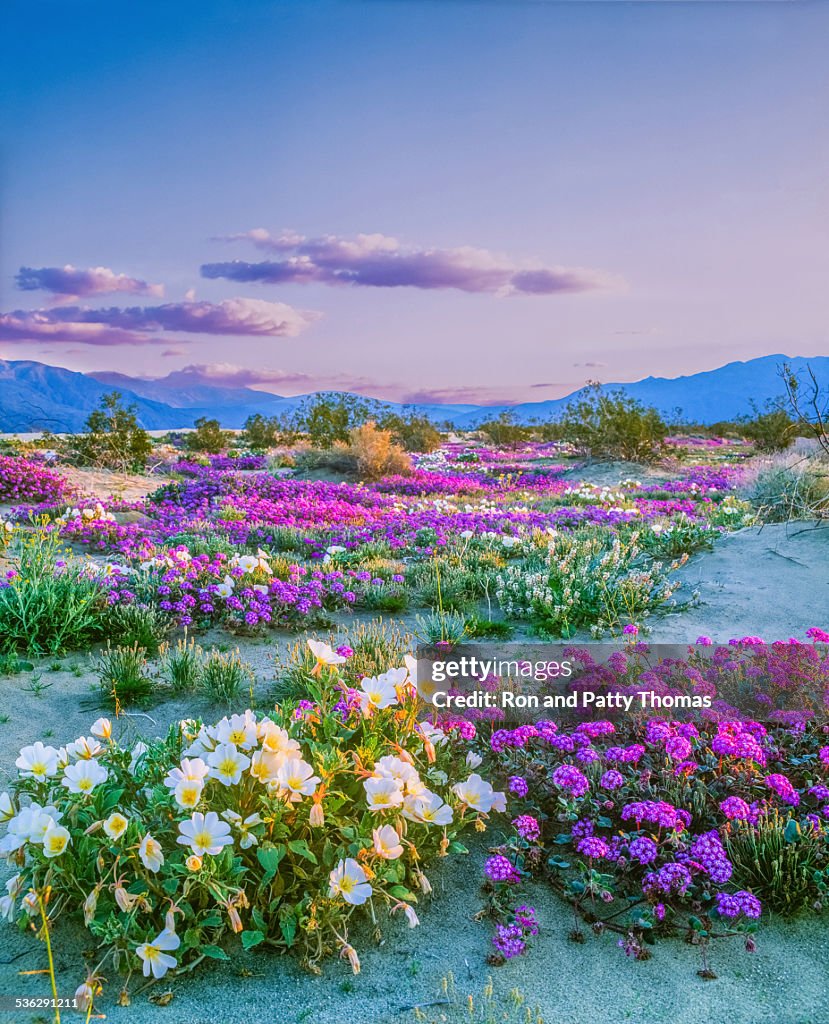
(218, 771)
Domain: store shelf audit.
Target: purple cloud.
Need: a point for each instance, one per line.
(382, 262)
(73, 282)
(265, 379)
(145, 325)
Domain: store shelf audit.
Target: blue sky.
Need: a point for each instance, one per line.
(485, 200)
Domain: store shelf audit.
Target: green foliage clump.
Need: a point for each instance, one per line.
(43, 610)
(223, 675)
(183, 665)
(208, 437)
(611, 425)
(772, 430)
(124, 675)
(780, 862)
(113, 438)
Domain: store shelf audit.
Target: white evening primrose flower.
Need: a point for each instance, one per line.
(247, 563)
(149, 850)
(499, 802)
(383, 794)
(227, 764)
(475, 793)
(14, 886)
(387, 842)
(115, 825)
(244, 825)
(392, 767)
(265, 764)
(238, 729)
(155, 959)
(260, 588)
(427, 809)
(381, 691)
(38, 761)
(204, 833)
(137, 752)
(55, 841)
(275, 739)
(324, 654)
(84, 748)
(188, 793)
(83, 776)
(473, 760)
(102, 728)
(6, 807)
(204, 742)
(225, 588)
(349, 881)
(192, 769)
(297, 778)
(430, 732)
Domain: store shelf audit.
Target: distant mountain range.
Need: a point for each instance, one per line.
(35, 396)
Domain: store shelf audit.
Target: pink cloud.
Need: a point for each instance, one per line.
(382, 262)
(70, 282)
(144, 325)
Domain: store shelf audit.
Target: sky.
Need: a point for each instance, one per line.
(428, 200)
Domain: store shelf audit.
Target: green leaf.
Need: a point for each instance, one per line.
(269, 857)
(792, 831)
(288, 925)
(252, 938)
(400, 892)
(258, 919)
(215, 952)
(456, 847)
(300, 848)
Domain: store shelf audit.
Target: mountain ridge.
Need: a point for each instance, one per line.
(36, 396)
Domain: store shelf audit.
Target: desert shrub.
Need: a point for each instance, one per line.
(611, 425)
(414, 433)
(771, 430)
(795, 487)
(124, 675)
(326, 418)
(223, 675)
(113, 438)
(47, 608)
(182, 666)
(261, 432)
(207, 437)
(504, 431)
(337, 458)
(375, 454)
(250, 831)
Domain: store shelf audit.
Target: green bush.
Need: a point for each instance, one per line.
(611, 425)
(123, 675)
(113, 438)
(208, 437)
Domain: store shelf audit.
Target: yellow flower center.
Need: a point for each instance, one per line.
(228, 767)
(85, 784)
(39, 768)
(204, 839)
(347, 883)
